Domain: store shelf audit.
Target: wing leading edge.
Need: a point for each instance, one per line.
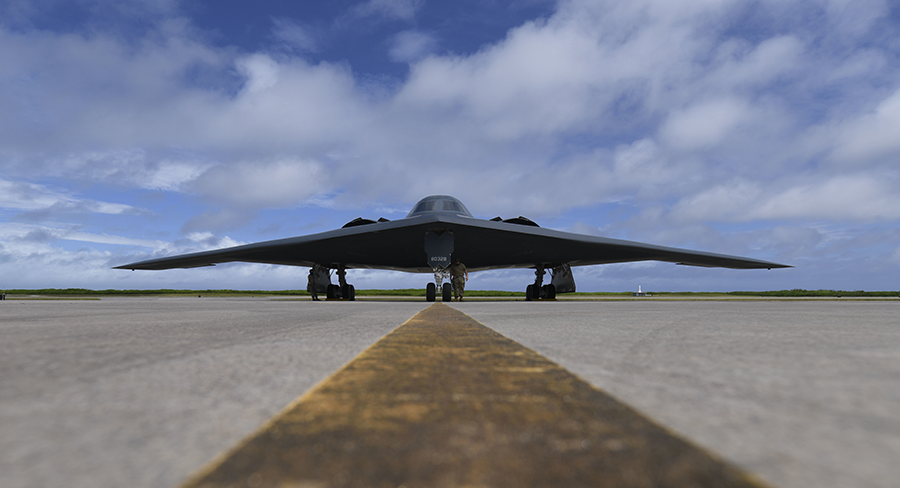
(481, 244)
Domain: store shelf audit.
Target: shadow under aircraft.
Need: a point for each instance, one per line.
(438, 230)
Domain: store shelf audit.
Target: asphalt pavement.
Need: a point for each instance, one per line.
(801, 393)
(145, 391)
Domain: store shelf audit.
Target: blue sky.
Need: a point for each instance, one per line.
(137, 129)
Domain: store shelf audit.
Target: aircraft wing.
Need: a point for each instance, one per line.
(480, 244)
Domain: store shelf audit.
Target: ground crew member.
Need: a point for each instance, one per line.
(458, 276)
(311, 285)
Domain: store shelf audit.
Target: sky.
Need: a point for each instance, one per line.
(134, 129)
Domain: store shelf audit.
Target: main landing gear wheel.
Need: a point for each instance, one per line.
(337, 292)
(548, 292)
(430, 292)
(446, 292)
(348, 292)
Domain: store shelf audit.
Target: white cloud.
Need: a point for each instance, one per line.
(279, 183)
(391, 9)
(26, 238)
(261, 72)
(295, 35)
(854, 18)
(705, 124)
(588, 71)
(686, 113)
(860, 198)
(28, 196)
(852, 197)
(742, 64)
(33, 197)
(871, 136)
(542, 79)
(171, 175)
(411, 45)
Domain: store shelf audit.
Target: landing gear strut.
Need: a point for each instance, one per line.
(440, 274)
(540, 291)
(343, 290)
(438, 251)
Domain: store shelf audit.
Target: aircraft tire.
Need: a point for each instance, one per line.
(430, 292)
(350, 293)
(446, 292)
(548, 292)
(330, 292)
(529, 293)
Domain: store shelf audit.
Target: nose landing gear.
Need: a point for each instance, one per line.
(446, 292)
(438, 250)
(446, 289)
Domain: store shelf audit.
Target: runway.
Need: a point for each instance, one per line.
(145, 392)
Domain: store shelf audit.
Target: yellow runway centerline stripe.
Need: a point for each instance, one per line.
(444, 401)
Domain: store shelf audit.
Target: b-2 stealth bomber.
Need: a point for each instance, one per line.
(438, 229)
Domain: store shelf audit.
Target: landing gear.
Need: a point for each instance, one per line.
(544, 292)
(337, 292)
(341, 291)
(540, 291)
(348, 292)
(431, 290)
(446, 292)
(548, 292)
(438, 251)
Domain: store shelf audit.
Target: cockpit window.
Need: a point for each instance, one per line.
(451, 206)
(440, 203)
(425, 206)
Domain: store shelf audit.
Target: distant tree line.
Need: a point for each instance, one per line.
(797, 292)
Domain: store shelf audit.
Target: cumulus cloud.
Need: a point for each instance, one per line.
(851, 197)
(871, 136)
(708, 123)
(411, 45)
(279, 183)
(643, 71)
(687, 113)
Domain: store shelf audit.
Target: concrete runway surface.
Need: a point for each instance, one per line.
(145, 391)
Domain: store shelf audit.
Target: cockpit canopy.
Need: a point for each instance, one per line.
(439, 203)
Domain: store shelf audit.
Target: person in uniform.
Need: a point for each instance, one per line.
(458, 277)
(311, 285)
